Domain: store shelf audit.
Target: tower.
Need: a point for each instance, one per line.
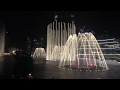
(2, 39)
(28, 46)
(41, 45)
(6, 42)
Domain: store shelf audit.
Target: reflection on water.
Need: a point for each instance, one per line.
(45, 70)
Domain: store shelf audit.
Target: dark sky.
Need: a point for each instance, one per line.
(33, 24)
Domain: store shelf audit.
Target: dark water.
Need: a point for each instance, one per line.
(45, 70)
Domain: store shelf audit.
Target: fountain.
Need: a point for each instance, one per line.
(73, 51)
(2, 40)
(57, 35)
(39, 53)
(82, 51)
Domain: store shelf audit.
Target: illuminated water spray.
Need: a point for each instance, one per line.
(82, 51)
(2, 40)
(57, 35)
(71, 50)
(39, 53)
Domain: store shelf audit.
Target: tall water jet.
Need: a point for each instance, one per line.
(57, 35)
(2, 39)
(39, 53)
(72, 50)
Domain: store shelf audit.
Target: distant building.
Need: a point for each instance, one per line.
(28, 46)
(2, 39)
(41, 42)
(7, 42)
(34, 46)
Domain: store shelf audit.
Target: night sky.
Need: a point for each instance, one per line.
(33, 24)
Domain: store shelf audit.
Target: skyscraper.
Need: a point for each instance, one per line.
(2, 39)
(28, 46)
(7, 42)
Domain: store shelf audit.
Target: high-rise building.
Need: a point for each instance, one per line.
(2, 39)
(41, 43)
(7, 42)
(28, 46)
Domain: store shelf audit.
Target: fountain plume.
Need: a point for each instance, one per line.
(72, 50)
(39, 53)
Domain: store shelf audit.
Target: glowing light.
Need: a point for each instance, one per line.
(91, 64)
(29, 74)
(13, 51)
(56, 16)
